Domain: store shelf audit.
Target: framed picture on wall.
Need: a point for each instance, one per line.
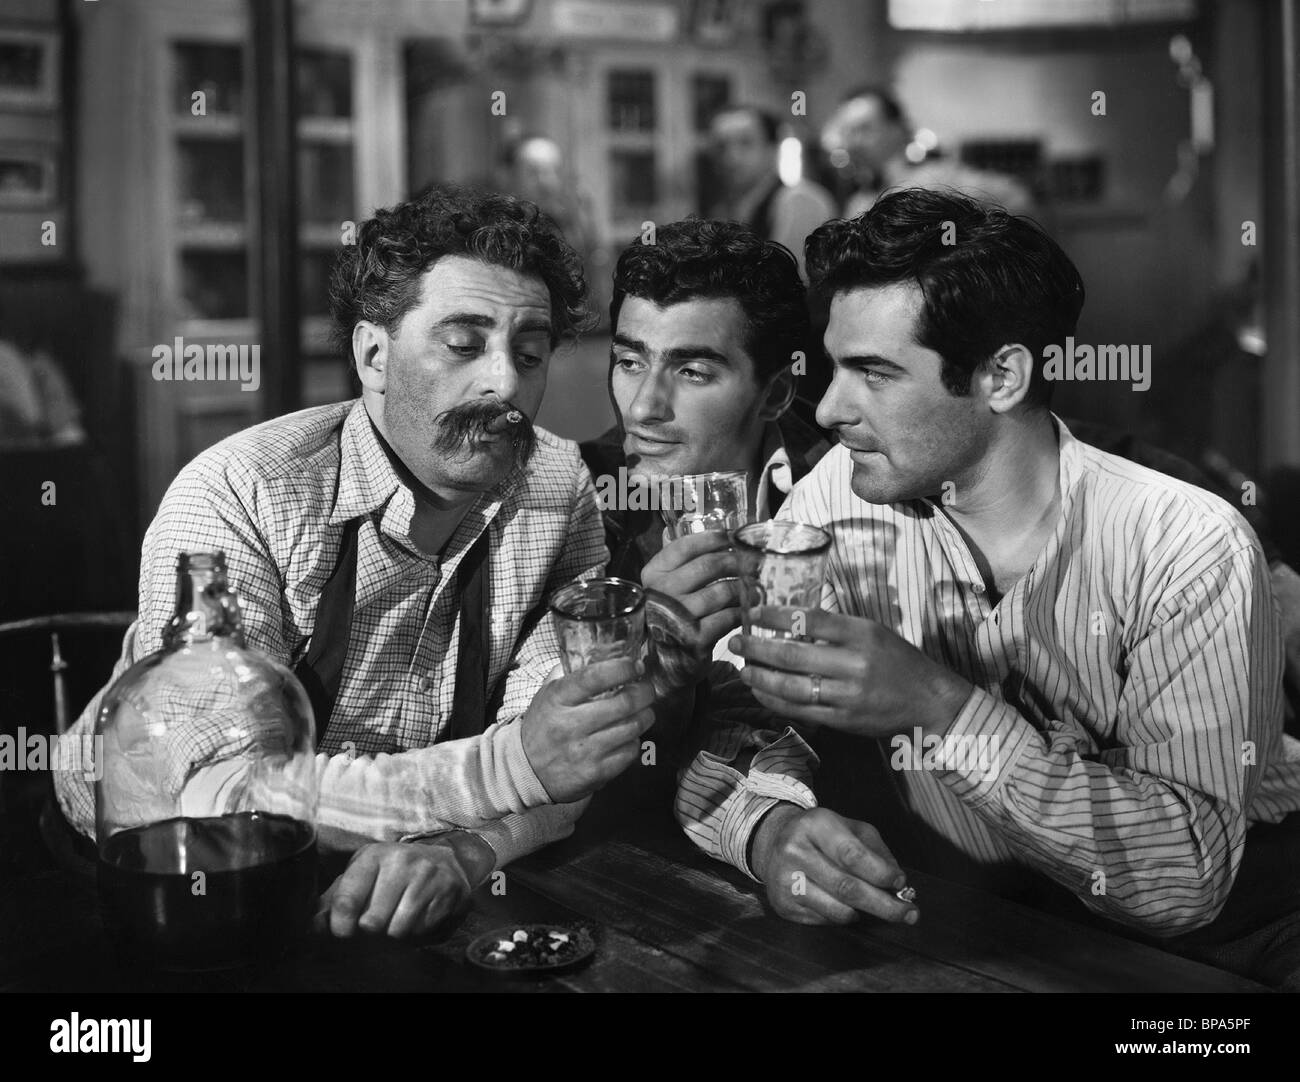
(29, 69)
(28, 176)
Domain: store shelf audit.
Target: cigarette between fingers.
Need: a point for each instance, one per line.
(907, 894)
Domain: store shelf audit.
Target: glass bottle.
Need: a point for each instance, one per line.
(205, 807)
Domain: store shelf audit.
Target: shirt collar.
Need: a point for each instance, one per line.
(1072, 465)
(367, 479)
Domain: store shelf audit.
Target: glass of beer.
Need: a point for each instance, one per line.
(694, 503)
(598, 620)
(782, 564)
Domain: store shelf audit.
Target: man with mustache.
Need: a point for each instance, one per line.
(1066, 667)
(400, 550)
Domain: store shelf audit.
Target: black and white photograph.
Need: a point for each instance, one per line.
(650, 496)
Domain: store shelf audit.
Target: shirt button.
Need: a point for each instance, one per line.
(978, 587)
(426, 682)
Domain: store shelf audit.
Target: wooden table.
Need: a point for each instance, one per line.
(667, 919)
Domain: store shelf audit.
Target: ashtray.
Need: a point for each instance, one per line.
(531, 949)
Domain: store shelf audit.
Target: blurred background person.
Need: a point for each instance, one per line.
(533, 167)
(535, 170)
(37, 405)
(744, 144)
(869, 134)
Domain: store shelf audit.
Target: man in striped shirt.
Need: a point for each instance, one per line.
(1061, 661)
(449, 740)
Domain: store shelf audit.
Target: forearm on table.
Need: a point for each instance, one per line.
(1132, 845)
(475, 855)
(720, 805)
(457, 785)
(515, 836)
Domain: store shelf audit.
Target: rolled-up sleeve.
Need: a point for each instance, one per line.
(741, 771)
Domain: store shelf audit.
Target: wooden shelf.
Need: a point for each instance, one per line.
(212, 236)
(212, 126)
(315, 236)
(223, 330)
(325, 129)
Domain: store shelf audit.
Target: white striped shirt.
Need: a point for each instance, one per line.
(1129, 685)
(275, 498)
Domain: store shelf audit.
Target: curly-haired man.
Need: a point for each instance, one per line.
(399, 549)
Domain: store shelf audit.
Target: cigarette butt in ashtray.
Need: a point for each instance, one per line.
(907, 894)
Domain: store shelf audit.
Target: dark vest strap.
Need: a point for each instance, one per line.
(321, 670)
(469, 704)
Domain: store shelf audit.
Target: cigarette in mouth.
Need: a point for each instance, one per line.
(502, 421)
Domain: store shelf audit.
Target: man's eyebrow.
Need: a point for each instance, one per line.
(536, 325)
(677, 353)
(466, 319)
(629, 343)
(862, 360)
(698, 353)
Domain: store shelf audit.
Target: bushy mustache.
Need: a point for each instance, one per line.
(457, 429)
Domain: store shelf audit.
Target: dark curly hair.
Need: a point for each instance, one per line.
(378, 278)
(705, 259)
(999, 280)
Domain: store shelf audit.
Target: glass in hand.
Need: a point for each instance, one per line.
(782, 565)
(599, 620)
(694, 503)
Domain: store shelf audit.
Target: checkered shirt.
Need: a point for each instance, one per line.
(275, 499)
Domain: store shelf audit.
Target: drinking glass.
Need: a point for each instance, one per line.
(693, 503)
(598, 620)
(782, 564)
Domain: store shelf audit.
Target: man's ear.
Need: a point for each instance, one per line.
(1005, 377)
(777, 396)
(370, 355)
